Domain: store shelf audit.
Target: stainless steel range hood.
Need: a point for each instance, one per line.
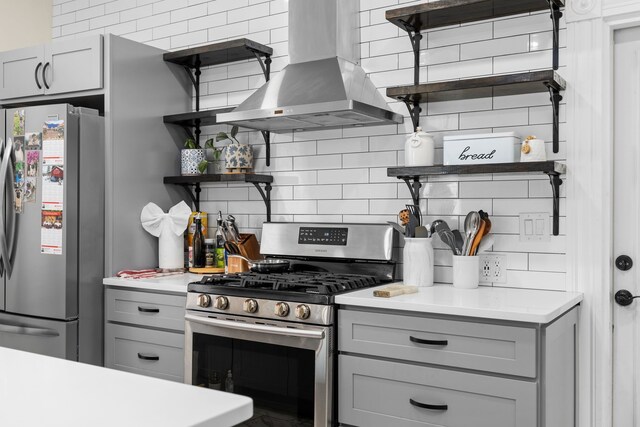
(323, 87)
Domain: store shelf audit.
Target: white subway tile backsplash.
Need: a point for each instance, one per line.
(347, 145)
(317, 192)
(343, 207)
(340, 175)
(317, 162)
(494, 189)
(459, 35)
(370, 191)
(494, 47)
(494, 118)
(343, 176)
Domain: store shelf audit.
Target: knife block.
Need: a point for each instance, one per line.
(249, 247)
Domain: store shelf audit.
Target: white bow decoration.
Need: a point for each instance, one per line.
(169, 228)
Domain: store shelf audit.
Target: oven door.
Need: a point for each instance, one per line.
(286, 368)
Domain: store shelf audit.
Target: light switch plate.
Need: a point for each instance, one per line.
(535, 227)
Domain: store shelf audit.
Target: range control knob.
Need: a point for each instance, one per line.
(221, 303)
(303, 311)
(250, 305)
(281, 309)
(204, 300)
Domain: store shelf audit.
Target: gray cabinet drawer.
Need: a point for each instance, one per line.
(143, 351)
(378, 393)
(485, 347)
(147, 309)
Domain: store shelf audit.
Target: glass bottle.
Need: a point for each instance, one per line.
(198, 244)
(228, 383)
(210, 252)
(219, 243)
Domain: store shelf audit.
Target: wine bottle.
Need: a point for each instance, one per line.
(199, 257)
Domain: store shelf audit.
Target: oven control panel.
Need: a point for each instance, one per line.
(323, 236)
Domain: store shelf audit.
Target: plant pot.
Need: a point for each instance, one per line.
(190, 159)
(238, 157)
(216, 165)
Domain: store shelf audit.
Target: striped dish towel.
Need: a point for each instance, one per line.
(150, 273)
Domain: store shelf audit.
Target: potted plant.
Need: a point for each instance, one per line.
(213, 156)
(191, 158)
(238, 157)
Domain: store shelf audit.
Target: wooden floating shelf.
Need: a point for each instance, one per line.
(207, 117)
(223, 177)
(481, 87)
(454, 12)
(549, 167)
(218, 53)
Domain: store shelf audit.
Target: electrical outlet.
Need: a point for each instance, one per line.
(493, 268)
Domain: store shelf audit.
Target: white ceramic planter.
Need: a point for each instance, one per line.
(189, 161)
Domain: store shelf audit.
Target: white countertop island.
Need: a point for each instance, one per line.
(38, 391)
(518, 305)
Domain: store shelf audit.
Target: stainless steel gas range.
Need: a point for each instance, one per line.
(272, 337)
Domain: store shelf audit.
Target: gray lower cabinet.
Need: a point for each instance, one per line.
(144, 333)
(413, 369)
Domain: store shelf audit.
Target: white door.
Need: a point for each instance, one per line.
(626, 219)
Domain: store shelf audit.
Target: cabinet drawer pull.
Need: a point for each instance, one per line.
(44, 75)
(428, 342)
(148, 356)
(36, 75)
(148, 310)
(428, 406)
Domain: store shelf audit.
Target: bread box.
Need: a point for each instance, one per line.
(481, 148)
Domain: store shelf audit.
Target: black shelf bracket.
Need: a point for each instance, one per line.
(414, 37)
(414, 184)
(267, 142)
(556, 182)
(555, 19)
(414, 111)
(265, 65)
(555, 98)
(266, 197)
(194, 194)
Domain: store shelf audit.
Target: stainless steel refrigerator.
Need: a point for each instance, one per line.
(52, 253)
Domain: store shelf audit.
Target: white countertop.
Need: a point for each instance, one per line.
(38, 390)
(520, 305)
(177, 283)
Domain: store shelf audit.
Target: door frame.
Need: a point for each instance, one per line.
(590, 28)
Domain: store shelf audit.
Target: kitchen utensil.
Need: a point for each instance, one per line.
(414, 210)
(231, 248)
(404, 217)
(422, 232)
(265, 266)
(486, 243)
(471, 224)
(415, 220)
(432, 229)
(446, 235)
(459, 240)
(233, 228)
(396, 226)
(478, 237)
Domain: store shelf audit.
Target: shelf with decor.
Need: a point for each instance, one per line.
(421, 17)
(482, 87)
(192, 184)
(411, 176)
(193, 59)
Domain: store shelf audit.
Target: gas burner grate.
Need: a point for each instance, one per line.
(311, 282)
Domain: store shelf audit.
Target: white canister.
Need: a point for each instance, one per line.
(466, 272)
(533, 150)
(417, 262)
(419, 149)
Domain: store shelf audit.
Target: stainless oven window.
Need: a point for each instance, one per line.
(279, 379)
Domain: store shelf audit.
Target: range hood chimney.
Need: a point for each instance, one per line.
(323, 87)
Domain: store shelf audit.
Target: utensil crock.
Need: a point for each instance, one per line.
(418, 262)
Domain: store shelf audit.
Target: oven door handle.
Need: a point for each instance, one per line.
(292, 332)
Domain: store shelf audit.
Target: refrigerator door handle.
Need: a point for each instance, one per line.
(6, 193)
(28, 330)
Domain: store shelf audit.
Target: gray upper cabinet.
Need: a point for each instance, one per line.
(55, 68)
